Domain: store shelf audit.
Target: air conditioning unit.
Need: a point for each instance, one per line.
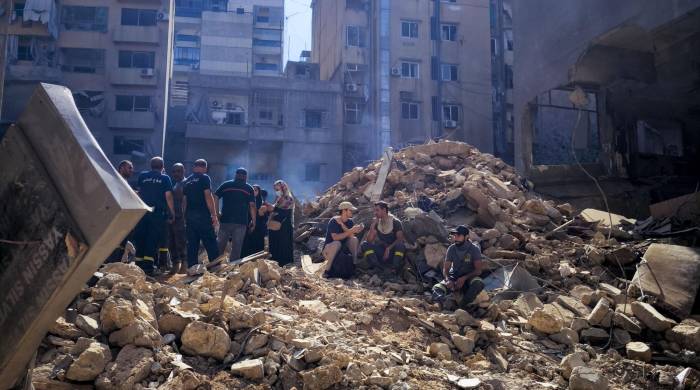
(351, 87)
(395, 72)
(147, 72)
(450, 124)
(163, 15)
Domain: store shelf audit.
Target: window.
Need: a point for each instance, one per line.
(136, 59)
(133, 103)
(82, 60)
(266, 42)
(409, 70)
(189, 8)
(186, 56)
(450, 112)
(355, 36)
(217, 5)
(409, 29)
(353, 113)
(123, 145)
(19, 11)
(262, 15)
(409, 110)
(265, 115)
(449, 32)
(84, 18)
(24, 49)
(313, 119)
(509, 76)
(186, 38)
(448, 72)
(234, 118)
(264, 66)
(509, 44)
(139, 17)
(313, 172)
(85, 100)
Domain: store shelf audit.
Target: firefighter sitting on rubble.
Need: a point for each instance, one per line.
(461, 270)
(384, 246)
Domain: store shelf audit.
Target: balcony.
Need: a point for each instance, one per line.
(132, 120)
(217, 132)
(134, 76)
(137, 34)
(27, 71)
(267, 50)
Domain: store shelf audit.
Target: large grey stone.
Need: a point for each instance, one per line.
(650, 317)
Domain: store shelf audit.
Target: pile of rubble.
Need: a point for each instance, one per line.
(569, 304)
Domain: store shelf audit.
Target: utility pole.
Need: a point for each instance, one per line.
(7, 5)
(499, 134)
(437, 129)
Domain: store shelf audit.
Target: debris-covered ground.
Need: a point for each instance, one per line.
(562, 311)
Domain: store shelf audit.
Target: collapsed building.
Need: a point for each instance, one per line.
(568, 301)
(637, 62)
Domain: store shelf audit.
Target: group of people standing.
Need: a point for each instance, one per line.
(186, 213)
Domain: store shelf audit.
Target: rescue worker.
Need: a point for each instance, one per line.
(125, 170)
(177, 241)
(238, 213)
(461, 270)
(384, 247)
(155, 189)
(201, 220)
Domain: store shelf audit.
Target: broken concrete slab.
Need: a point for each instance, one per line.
(86, 210)
(672, 274)
(650, 317)
(686, 334)
(638, 351)
(603, 218)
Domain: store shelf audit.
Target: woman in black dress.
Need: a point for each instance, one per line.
(281, 240)
(255, 240)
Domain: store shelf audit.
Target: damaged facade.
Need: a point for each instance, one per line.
(638, 65)
(113, 56)
(407, 75)
(232, 104)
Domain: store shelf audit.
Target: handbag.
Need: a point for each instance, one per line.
(273, 224)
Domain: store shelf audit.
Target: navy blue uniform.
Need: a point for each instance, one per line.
(198, 218)
(151, 231)
(237, 195)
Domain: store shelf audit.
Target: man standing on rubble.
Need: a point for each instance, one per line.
(156, 190)
(126, 170)
(384, 246)
(176, 238)
(461, 270)
(340, 234)
(238, 213)
(199, 209)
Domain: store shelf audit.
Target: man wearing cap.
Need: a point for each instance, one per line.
(461, 270)
(384, 247)
(238, 213)
(341, 233)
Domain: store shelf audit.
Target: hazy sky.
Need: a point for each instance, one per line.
(297, 31)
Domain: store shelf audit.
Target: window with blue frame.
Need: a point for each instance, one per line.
(266, 42)
(186, 56)
(189, 8)
(264, 66)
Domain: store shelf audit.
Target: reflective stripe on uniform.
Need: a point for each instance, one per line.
(148, 258)
(369, 252)
(400, 254)
(163, 250)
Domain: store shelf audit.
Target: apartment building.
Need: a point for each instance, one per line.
(234, 104)
(113, 55)
(502, 77)
(410, 70)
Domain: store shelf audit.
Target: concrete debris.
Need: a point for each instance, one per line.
(258, 325)
(638, 351)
